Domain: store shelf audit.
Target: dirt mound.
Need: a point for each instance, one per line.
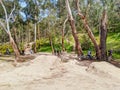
(104, 69)
(41, 67)
(47, 72)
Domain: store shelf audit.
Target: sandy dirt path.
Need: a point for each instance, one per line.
(47, 72)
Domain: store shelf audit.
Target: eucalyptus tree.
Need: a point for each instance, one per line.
(103, 31)
(74, 31)
(63, 33)
(103, 35)
(5, 23)
(49, 14)
(52, 30)
(99, 18)
(89, 31)
(32, 12)
(16, 26)
(61, 14)
(106, 22)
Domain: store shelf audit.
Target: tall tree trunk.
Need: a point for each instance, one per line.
(14, 46)
(63, 36)
(103, 35)
(22, 36)
(16, 39)
(35, 38)
(89, 31)
(28, 32)
(19, 39)
(7, 29)
(38, 30)
(50, 38)
(74, 31)
(63, 48)
(51, 44)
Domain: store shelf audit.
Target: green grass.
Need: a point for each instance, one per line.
(45, 49)
(113, 42)
(116, 56)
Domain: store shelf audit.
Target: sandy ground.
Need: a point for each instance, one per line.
(47, 72)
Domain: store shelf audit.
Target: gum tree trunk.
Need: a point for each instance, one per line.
(63, 36)
(74, 31)
(6, 27)
(14, 46)
(35, 37)
(103, 35)
(16, 39)
(51, 44)
(89, 31)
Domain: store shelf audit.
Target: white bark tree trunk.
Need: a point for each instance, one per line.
(6, 27)
(63, 36)
(35, 25)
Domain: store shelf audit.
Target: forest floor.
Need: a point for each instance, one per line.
(47, 72)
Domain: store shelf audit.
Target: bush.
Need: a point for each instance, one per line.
(116, 54)
(3, 48)
(43, 45)
(85, 44)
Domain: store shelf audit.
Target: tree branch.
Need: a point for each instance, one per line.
(11, 12)
(79, 11)
(3, 26)
(4, 8)
(88, 7)
(69, 10)
(65, 23)
(6, 16)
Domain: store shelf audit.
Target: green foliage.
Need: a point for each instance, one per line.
(86, 43)
(45, 48)
(113, 41)
(68, 47)
(3, 48)
(43, 45)
(116, 55)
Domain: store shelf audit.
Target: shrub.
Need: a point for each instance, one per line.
(85, 44)
(3, 48)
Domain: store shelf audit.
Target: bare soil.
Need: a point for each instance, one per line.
(47, 72)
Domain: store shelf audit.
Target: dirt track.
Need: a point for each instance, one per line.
(47, 72)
